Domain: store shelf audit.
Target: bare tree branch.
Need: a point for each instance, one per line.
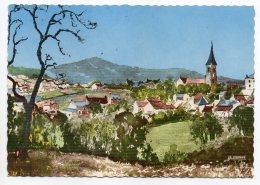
(74, 17)
(59, 80)
(34, 17)
(14, 42)
(16, 94)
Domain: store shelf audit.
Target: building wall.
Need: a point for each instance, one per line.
(211, 74)
(249, 83)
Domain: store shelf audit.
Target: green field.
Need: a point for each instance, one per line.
(51, 94)
(161, 137)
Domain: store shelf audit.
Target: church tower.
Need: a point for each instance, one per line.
(211, 68)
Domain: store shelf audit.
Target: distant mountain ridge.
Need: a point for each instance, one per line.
(96, 68)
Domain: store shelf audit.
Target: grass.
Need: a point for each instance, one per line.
(63, 104)
(50, 94)
(77, 164)
(163, 136)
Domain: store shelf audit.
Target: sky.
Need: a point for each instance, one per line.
(156, 37)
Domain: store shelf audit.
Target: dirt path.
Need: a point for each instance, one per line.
(87, 165)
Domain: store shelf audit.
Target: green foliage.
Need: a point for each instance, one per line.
(118, 86)
(211, 97)
(206, 128)
(169, 116)
(96, 108)
(217, 88)
(163, 90)
(160, 118)
(29, 72)
(131, 135)
(181, 89)
(45, 134)
(15, 123)
(243, 118)
(174, 156)
(148, 156)
(181, 115)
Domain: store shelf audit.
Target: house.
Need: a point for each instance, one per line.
(191, 81)
(180, 97)
(249, 82)
(241, 99)
(151, 106)
(97, 99)
(78, 107)
(205, 108)
(96, 86)
(113, 98)
(221, 95)
(223, 111)
(249, 85)
(225, 108)
(84, 112)
(78, 101)
(49, 107)
(250, 103)
(196, 101)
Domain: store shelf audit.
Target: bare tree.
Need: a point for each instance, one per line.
(44, 59)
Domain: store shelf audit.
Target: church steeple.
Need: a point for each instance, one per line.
(211, 68)
(211, 59)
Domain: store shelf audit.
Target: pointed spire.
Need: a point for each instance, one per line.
(211, 59)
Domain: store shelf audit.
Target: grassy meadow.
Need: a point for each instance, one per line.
(163, 136)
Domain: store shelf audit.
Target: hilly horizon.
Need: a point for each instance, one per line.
(96, 68)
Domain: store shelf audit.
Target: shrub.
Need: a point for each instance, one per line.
(174, 156)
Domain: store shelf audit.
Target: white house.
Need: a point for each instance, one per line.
(249, 85)
(96, 86)
(151, 106)
(195, 102)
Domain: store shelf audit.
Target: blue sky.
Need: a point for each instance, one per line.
(156, 37)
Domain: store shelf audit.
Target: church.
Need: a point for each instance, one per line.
(211, 73)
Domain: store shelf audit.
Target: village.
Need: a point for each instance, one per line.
(75, 100)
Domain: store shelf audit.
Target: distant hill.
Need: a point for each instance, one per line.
(29, 72)
(96, 68)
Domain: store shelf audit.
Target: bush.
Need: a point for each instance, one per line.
(15, 124)
(174, 156)
(238, 146)
(45, 134)
(243, 118)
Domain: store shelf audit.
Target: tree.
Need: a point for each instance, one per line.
(15, 123)
(243, 118)
(131, 136)
(206, 128)
(51, 31)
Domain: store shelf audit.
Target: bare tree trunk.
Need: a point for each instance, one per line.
(23, 151)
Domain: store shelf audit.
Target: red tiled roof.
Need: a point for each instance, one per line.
(223, 108)
(97, 84)
(250, 102)
(157, 104)
(240, 98)
(49, 103)
(195, 81)
(101, 100)
(207, 109)
(198, 96)
(141, 103)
